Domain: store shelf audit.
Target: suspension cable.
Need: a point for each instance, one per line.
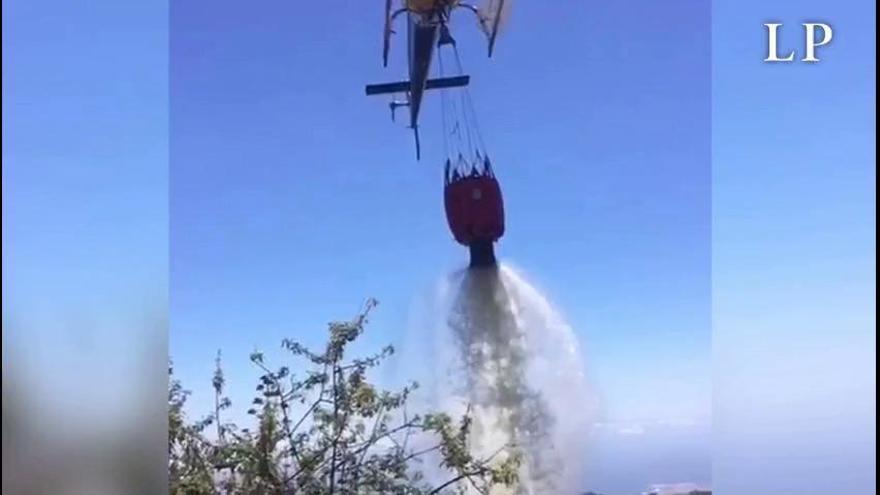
(464, 148)
(471, 114)
(443, 108)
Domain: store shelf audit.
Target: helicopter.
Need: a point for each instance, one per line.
(427, 29)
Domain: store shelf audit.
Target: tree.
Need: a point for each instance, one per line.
(327, 431)
(189, 453)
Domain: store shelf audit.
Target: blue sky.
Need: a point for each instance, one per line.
(794, 225)
(293, 197)
(85, 204)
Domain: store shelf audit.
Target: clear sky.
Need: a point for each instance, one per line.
(794, 250)
(293, 196)
(85, 202)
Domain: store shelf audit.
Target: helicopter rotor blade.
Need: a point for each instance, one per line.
(495, 22)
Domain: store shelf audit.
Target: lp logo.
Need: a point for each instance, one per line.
(810, 41)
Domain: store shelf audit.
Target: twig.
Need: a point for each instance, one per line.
(455, 480)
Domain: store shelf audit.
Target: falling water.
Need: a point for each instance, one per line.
(500, 349)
